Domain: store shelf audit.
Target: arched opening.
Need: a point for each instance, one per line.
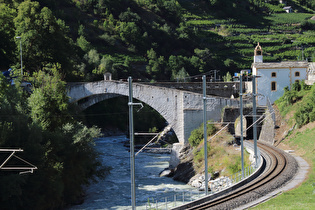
(258, 50)
(112, 116)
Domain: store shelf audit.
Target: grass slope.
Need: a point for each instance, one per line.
(302, 197)
(301, 140)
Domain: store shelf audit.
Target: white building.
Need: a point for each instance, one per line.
(288, 9)
(311, 74)
(272, 78)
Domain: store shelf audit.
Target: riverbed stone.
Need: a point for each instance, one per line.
(185, 170)
(167, 172)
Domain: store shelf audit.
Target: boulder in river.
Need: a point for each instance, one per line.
(167, 172)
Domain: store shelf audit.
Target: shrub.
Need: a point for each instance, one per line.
(296, 86)
(306, 112)
(289, 97)
(305, 86)
(236, 166)
(196, 135)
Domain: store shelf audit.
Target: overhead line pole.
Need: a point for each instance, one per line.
(254, 120)
(241, 116)
(132, 152)
(205, 132)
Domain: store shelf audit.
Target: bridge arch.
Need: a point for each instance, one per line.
(163, 100)
(181, 109)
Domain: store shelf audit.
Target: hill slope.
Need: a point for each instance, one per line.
(155, 40)
(301, 140)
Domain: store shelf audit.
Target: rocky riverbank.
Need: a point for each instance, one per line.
(186, 172)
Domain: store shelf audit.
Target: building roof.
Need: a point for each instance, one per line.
(288, 7)
(284, 64)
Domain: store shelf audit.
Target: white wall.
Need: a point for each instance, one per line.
(284, 77)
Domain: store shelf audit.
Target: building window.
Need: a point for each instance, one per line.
(297, 81)
(273, 74)
(273, 86)
(297, 74)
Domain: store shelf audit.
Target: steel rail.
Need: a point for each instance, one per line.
(275, 164)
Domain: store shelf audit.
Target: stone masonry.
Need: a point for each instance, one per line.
(182, 110)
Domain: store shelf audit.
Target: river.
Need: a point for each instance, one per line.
(114, 192)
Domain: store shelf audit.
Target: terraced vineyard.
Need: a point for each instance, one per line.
(283, 36)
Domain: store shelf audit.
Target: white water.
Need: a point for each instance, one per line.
(114, 192)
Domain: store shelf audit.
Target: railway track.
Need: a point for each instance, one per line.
(279, 167)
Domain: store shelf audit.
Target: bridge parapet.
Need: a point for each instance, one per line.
(221, 89)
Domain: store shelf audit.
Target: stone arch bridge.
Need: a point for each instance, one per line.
(183, 110)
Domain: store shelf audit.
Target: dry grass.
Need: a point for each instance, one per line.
(223, 157)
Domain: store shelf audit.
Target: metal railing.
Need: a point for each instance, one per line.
(180, 198)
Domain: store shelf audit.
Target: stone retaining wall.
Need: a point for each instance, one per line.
(267, 133)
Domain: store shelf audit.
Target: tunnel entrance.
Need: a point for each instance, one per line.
(231, 113)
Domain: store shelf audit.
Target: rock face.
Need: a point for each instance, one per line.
(268, 130)
(184, 170)
(175, 155)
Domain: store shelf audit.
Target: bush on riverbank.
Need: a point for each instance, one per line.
(223, 157)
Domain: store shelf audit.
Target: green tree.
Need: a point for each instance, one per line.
(49, 102)
(109, 24)
(84, 44)
(129, 16)
(62, 148)
(7, 44)
(296, 86)
(129, 32)
(227, 77)
(181, 76)
(170, 9)
(230, 64)
(44, 38)
(106, 65)
(197, 64)
(203, 54)
(156, 66)
(191, 65)
(175, 63)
